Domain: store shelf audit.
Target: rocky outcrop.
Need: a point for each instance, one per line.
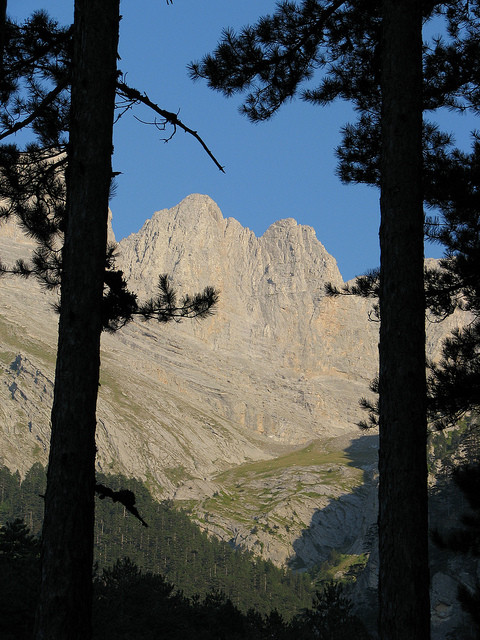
(25, 400)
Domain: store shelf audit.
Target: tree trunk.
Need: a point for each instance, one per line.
(3, 27)
(64, 609)
(403, 509)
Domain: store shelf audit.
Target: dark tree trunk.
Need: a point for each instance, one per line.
(403, 515)
(3, 26)
(65, 603)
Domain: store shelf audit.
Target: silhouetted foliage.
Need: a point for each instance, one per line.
(331, 617)
(129, 602)
(465, 539)
(451, 181)
(172, 545)
(19, 580)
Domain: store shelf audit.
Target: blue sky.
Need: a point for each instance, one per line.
(277, 169)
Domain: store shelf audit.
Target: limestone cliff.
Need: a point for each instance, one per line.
(300, 359)
(248, 417)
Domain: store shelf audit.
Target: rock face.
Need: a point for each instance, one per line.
(273, 322)
(250, 415)
(278, 365)
(271, 287)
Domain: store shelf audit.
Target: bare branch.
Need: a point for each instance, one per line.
(132, 94)
(124, 496)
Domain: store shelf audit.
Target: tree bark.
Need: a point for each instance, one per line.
(403, 509)
(64, 609)
(3, 28)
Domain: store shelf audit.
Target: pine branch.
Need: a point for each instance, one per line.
(48, 99)
(372, 407)
(366, 286)
(453, 384)
(272, 58)
(120, 305)
(163, 308)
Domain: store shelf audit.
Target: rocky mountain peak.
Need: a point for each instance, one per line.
(201, 206)
(195, 211)
(197, 244)
(284, 223)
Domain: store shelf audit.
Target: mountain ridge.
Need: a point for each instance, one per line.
(278, 366)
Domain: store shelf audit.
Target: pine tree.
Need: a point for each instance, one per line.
(67, 554)
(451, 181)
(271, 62)
(404, 604)
(58, 190)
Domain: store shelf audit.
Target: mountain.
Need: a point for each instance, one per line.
(248, 418)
